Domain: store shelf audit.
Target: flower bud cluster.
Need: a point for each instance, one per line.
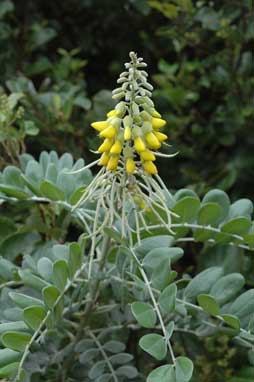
(131, 131)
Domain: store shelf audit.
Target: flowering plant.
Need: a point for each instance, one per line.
(70, 308)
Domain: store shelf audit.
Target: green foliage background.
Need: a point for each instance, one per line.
(60, 59)
(62, 54)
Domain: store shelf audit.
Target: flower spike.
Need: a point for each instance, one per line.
(131, 128)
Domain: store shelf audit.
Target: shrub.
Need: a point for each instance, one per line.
(92, 283)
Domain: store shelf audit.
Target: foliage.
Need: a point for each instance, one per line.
(89, 262)
(200, 56)
(58, 60)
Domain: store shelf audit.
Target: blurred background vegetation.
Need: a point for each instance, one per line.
(62, 58)
(59, 61)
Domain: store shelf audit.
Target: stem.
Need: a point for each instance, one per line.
(10, 284)
(38, 333)
(89, 306)
(104, 355)
(156, 307)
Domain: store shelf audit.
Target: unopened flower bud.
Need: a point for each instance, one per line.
(118, 95)
(150, 168)
(109, 132)
(127, 133)
(112, 113)
(105, 146)
(152, 140)
(139, 144)
(100, 125)
(147, 127)
(156, 114)
(158, 123)
(160, 136)
(104, 159)
(145, 115)
(147, 155)
(113, 162)
(130, 165)
(121, 108)
(116, 148)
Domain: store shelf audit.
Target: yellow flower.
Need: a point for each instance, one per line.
(105, 146)
(104, 159)
(156, 114)
(147, 155)
(139, 144)
(152, 140)
(113, 162)
(150, 167)
(130, 165)
(160, 136)
(158, 123)
(100, 125)
(116, 148)
(112, 113)
(127, 133)
(109, 132)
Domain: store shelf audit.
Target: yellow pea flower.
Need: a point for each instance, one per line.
(156, 114)
(139, 144)
(104, 159)
(105, 146)
(130, 165)
(100, 125)
(127, 133)
(147, 155)
(150, 167)
(116, 148)
(158, 123)
(109, 132)
(152, 140)
(112, 113)
(113, 162)
(160, 136)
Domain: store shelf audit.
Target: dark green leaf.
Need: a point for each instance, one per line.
(60, 274)
(209, 304)
(51, 191)
(33, 316)
(15, 340)
(50, 296)
(75, 259)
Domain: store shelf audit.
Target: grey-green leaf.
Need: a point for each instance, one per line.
(202, 283)
(184, 369)
(155, 345)
(227, 287)
(144, 314)
(167, 299)
(162, 374)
